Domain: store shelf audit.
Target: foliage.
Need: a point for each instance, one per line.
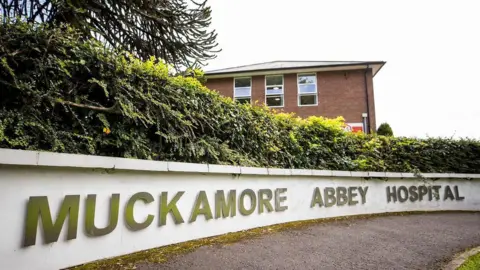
(472, 263)
(62, 93)
(385, 130)
(173, 30)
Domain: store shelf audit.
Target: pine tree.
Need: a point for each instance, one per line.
(385, 130)
(173, 30)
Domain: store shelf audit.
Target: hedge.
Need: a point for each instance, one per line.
(63, 93)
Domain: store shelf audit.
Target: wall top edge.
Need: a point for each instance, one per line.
(15, 157)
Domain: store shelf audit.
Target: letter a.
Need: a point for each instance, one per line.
(317, 198)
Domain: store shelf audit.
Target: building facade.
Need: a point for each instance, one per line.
(306, 88)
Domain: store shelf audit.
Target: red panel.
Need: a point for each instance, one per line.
(357, 129)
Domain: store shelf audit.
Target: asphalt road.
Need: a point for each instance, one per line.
(396, 242)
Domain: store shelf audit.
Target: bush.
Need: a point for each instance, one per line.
(385, 130)
(64, 94)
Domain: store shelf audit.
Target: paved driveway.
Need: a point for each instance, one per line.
(395, 242)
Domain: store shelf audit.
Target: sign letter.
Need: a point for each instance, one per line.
(129, 218)
(279, 199)
(225, 208)
(90, 227)
(253, 202)
(317, 198)
(38, 207)
(170, 207)
(201, 207)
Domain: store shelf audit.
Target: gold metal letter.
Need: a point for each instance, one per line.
(170, 207)
(225, 208)
(129, 219)
(329, 194)
(351, 195)
(363, 194)
(457, 195)
(90, 227)
(264, 201)
(342, 197)
(279, 200)
(253, 202)
(38, 207)
(448, 194)
(317, 198)
(201, 207)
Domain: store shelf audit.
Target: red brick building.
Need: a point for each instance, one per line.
(322, 88)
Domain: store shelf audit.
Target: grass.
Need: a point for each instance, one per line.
(472, 263)
(162, 254)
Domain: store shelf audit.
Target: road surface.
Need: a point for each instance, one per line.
(424, 241)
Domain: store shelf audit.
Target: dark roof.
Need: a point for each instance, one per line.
(283, 65)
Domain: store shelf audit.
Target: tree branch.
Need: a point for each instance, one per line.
(90, 107)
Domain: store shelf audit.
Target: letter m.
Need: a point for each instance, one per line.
(38, 207)
(225, 207)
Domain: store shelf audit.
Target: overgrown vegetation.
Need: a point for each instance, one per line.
(62, 93)
(472, 263)
(178, 31)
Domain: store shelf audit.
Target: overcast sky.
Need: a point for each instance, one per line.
(430, 85)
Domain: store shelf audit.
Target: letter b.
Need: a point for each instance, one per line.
(330, 199)
(342, 197)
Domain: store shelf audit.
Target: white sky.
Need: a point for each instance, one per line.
(430, 85)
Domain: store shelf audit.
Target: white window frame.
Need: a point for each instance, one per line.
(307, 94)
(282, 95)
(242, 97)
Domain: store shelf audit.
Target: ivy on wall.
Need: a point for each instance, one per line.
(62, 93)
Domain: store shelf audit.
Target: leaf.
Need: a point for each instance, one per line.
(102, 84)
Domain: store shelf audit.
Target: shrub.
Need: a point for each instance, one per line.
(385, 130)
(62, 93)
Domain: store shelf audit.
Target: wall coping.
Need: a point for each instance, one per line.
(50, 159)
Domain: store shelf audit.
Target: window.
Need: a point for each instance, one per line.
(242, 91)
(307, 90)
(274, 91)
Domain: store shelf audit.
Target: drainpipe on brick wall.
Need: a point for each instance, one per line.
(367, 127)
(364, 121)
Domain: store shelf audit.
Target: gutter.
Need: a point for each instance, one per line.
(226, 73)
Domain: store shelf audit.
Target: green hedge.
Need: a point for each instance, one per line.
(62, 93)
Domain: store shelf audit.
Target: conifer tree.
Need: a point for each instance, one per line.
(176, 31)
(385, 130)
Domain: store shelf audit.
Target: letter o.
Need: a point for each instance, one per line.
(404, 197)
(253, 202)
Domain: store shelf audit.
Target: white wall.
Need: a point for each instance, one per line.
(24, 174)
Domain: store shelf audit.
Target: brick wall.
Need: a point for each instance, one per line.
(340, 93)
(223, 85)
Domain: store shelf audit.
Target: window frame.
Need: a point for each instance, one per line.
(235, 88)
(282, 95)
(307, 94)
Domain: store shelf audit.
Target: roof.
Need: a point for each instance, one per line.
(293, 66)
